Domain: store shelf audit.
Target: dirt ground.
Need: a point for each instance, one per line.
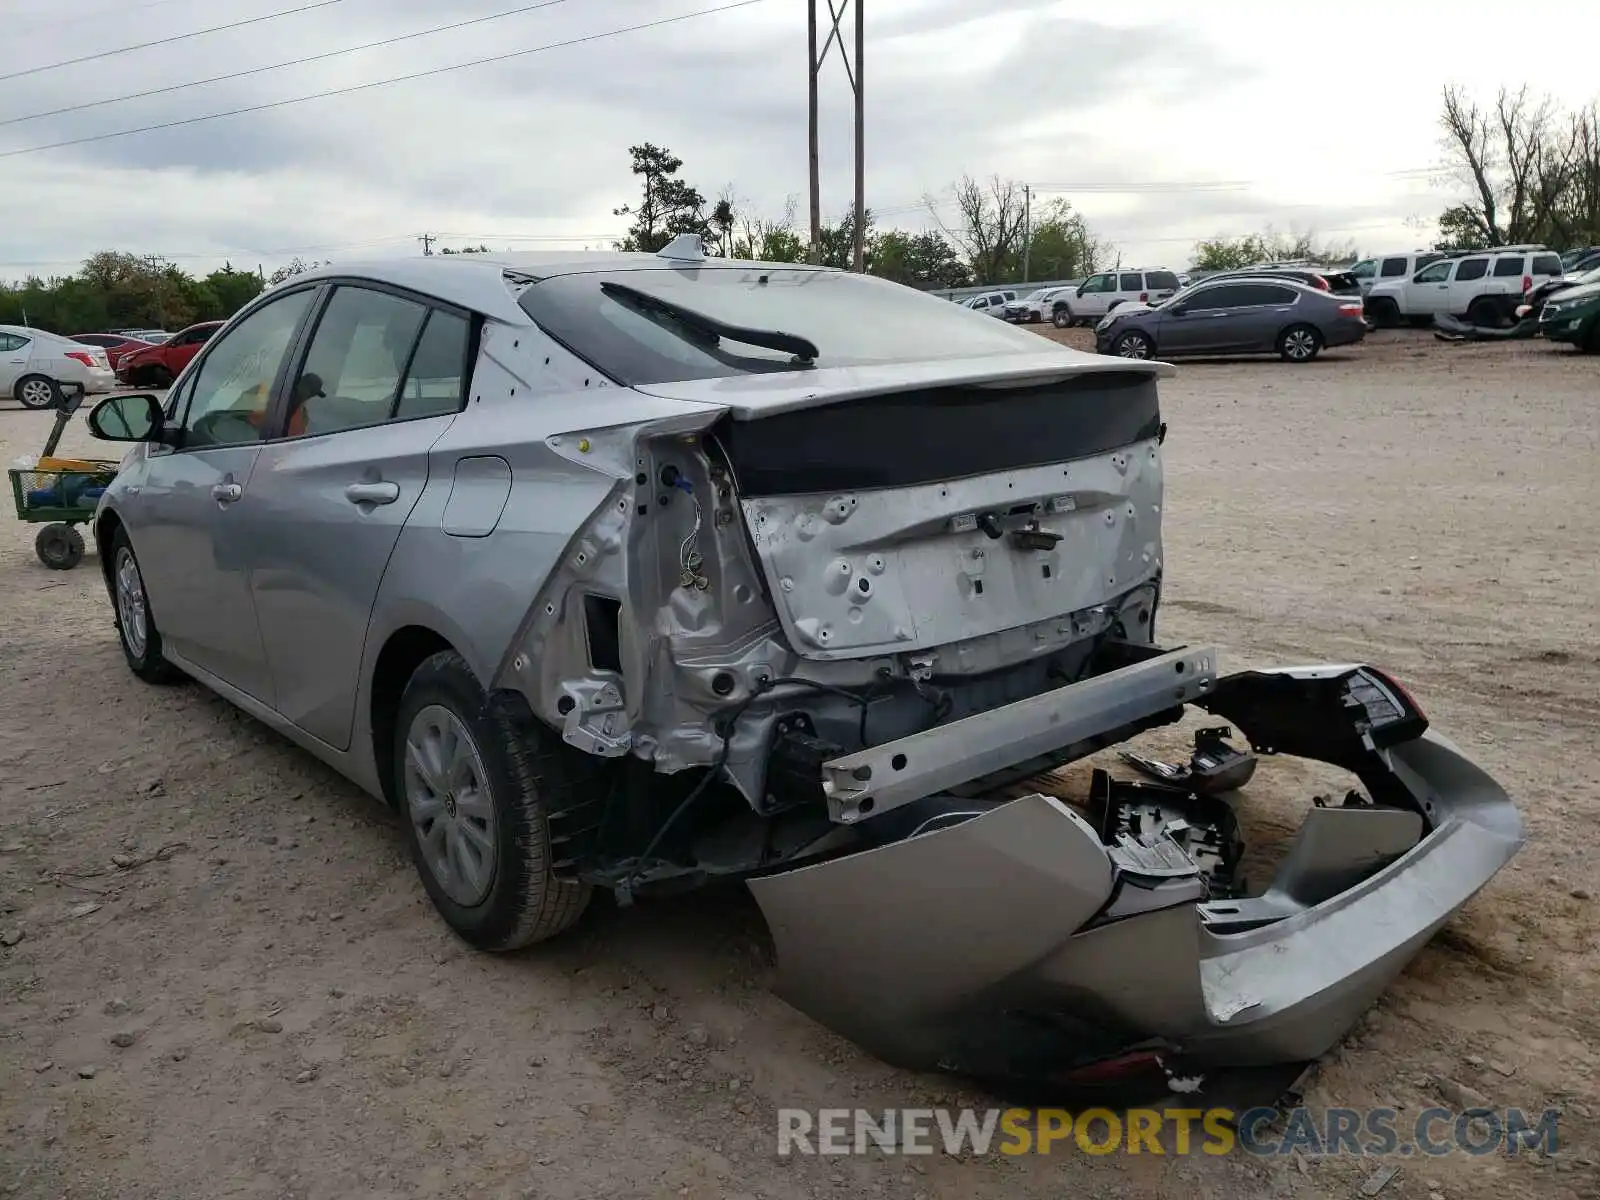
(219, 976)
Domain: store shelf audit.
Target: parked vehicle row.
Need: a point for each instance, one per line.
(1263, 314)
(36, 366)
(1484, 286)
(116, 345)
(158, 365)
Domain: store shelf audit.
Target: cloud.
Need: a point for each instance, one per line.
(532, 151)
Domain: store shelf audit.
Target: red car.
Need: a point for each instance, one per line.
(114, 344)
(158, 366)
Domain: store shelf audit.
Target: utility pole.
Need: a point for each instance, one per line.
(816, 189)
(427, 241)
(1027, 229)
(853, 71)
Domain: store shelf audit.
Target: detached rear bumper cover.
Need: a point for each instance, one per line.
(1014, 944)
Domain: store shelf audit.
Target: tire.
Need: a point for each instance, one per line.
(59, 546)
(1062, 318)
(1384, 311)
(1133, 344)
(450, 741)
(37, 392)
(136, 625)
(1486, 310)
(1299, 343)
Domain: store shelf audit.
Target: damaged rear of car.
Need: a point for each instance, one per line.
(897, 588)
(709, 570)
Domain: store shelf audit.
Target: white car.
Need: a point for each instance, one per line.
(1033, 307)
(1485, 286)
(1106, 290)
(993, 303)
(1401, 264)
(36, 366)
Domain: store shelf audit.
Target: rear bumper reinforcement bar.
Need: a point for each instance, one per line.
(883, 777)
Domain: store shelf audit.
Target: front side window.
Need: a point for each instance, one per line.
(1437, 273)
(1393, 268)
(1472, 268)
(233, 388)
(1099, 283)
(352, 372)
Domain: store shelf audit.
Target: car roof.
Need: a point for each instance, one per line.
(478, 281)
(30, 332)
(1264, 277)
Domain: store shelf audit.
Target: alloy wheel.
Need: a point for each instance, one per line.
(132, 612)
(450, 805)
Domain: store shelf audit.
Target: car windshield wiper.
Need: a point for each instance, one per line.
(804, 350)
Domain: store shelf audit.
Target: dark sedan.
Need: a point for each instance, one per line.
(1236, 316)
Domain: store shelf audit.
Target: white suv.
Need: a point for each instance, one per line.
(1486, 286)
(1401, 265)
(1099, 294)
(993, 303)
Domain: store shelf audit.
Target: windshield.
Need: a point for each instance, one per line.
(854, 320)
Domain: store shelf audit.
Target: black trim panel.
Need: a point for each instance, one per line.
(907, 438)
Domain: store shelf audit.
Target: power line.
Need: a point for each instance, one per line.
(376, 83)
(294, 62)
(177, 37)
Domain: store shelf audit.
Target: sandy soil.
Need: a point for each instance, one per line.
(220, 976)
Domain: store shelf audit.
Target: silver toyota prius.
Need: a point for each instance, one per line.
(637, 572)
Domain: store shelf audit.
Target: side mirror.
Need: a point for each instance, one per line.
(136, 418)
(1081, 286)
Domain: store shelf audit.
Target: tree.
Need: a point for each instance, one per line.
(721, 223)
(668, 207)
(1531, 171)
(117, 290)
(1060, 245)
(770, 241)
(839, 241)
(232, 290)
(923, 260)
(1232, 253)
(295, 266)
(989, 227)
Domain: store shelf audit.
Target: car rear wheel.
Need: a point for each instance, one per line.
(1133, 344)
(136, 627)
(1385, 313)
(1299, 343)
(37, 391)
(473, 783)
(1485, 310)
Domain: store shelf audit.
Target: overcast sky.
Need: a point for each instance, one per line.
(1164, 121)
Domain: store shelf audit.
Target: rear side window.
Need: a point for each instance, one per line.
(1393, 268)
(1131, 283)
(12, 341)
(433, 384)
(1262, 294)
(1546, 264)
(1473, 268)
(1224, 295)
(1161, 281)
(1507, 268)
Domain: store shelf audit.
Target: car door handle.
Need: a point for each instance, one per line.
(226, 493)
(372, 493)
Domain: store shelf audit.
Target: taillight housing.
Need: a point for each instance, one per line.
(1353, 308)
(1527, 282)
(1144, 297)
(82, 356)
